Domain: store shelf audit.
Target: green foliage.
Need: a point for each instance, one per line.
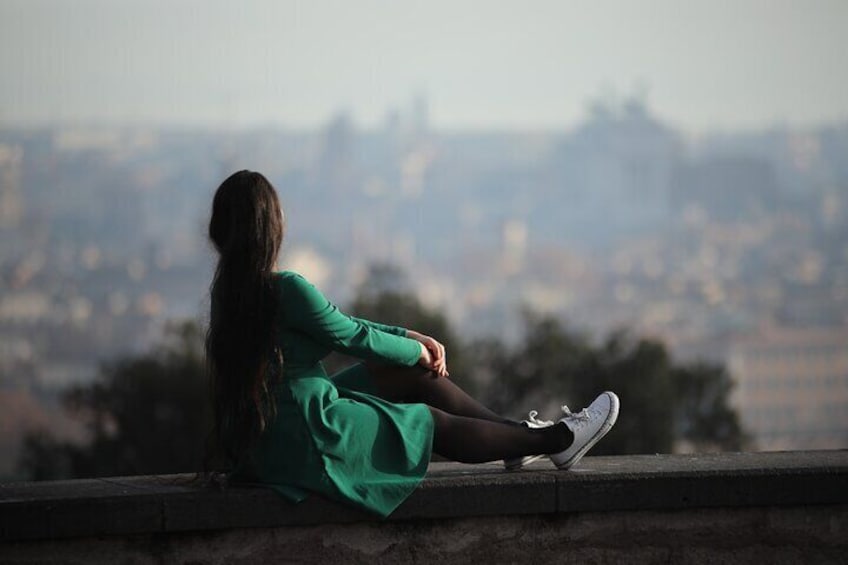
(705, 418)
(44, 458)
(546, 360)
(639, 372)
(661, 402)
(144, 415)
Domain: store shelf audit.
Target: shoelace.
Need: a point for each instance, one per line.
(582, 415)
(579, 418)
(531, 417)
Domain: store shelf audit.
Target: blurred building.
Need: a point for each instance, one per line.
(613, 174)
(727, 188)
(792, 387)
(335, 168)
(11, 196)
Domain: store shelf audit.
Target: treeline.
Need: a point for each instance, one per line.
(149, 414)
(666, 405)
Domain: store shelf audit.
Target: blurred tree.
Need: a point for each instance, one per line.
(639, 371)
(662, 403)
(704, 417)
(540, 366)
(43, 457)
(144, 415)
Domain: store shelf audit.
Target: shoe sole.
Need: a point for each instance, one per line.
(605, 428)
(522, 462)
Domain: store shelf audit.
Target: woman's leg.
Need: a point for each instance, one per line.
(465, 430)
(472, 440)
(417, 384)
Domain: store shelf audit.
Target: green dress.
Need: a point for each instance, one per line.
(331, 435)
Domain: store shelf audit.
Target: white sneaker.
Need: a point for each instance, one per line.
(588, 426)
(516, 463)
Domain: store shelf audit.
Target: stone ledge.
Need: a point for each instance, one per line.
(168, 504)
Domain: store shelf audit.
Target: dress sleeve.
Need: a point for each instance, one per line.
(310, 312)
(395, 330)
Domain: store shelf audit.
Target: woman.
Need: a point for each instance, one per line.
(362, 436)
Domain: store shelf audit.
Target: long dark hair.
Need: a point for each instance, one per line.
(246, 229)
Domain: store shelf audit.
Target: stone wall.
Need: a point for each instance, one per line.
(728, 508)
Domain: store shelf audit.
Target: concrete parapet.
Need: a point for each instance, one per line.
(732, 507)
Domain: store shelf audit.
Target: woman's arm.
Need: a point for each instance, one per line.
(434, 360)
(309, 311)
(395, 330)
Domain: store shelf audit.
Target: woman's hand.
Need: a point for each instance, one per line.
(432, 353)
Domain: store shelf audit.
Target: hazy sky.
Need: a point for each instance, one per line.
(703, 64)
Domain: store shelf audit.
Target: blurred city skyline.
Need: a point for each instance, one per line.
(676, 168)
(705, 66)
(730, 248)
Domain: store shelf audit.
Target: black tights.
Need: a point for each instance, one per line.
(465, 430)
